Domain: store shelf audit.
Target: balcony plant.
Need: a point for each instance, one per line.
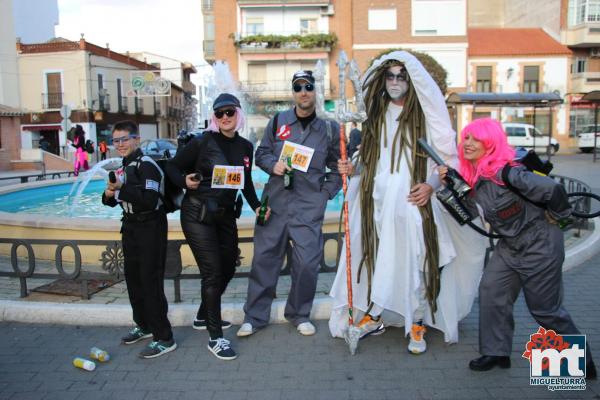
(308, 41)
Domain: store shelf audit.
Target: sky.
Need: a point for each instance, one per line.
(170, 28)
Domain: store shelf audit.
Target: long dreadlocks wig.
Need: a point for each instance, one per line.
(412, 126)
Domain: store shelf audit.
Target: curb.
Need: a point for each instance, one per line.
(183, 314)
(585, 250)
(120, 314)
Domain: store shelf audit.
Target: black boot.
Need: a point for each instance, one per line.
(485, 363)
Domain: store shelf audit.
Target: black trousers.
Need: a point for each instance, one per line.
(145, 250)
(215, 249)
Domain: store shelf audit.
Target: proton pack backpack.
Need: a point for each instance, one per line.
(171, 195)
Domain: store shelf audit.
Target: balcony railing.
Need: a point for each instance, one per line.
(176, 113)
(102, 103)
(272, 89)
(52, 100)
(207, 5)
(209, 48)
(250, 42)
(188, 87)
(139, 106)
(123, 107)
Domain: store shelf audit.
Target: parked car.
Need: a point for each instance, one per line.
(159, 148)
(524, 135)
(585, 139)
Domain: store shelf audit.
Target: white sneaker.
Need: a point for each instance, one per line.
(306, 329)
(417, 344)
(246, 329)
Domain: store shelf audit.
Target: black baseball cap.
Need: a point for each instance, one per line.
(303, 75)
(226, 99)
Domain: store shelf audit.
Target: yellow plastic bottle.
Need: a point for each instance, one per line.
(99, 354)
(84, 364)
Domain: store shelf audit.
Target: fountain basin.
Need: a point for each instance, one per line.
(23, 225)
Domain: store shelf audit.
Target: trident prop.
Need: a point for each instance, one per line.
(352, 334)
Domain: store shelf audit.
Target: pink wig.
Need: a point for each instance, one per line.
(497, 151)
(241, 121)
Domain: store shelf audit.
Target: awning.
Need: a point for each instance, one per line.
(506, 99)
(46, 127)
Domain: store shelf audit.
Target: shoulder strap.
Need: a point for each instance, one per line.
(275, 124)
(161, 190)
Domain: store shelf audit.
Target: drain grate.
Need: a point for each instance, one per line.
(72, 287)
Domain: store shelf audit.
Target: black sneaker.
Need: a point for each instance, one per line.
(221, 349)
(157, 349)
(135, 335)
(200, 324)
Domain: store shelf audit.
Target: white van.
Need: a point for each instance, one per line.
(524, 135)
(585, 139)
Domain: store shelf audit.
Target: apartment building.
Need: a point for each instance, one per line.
(580, 31)
(435, 27)
(94, 81)
(518, 60)
(575, 24)
(265, 42)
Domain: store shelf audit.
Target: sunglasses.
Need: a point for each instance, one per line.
(230, 113)
(123, 139)
(402, 76)
(309, 87)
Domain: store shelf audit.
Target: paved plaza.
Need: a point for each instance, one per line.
(277, 362)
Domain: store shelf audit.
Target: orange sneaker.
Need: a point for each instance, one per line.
(369, 326)
(417, 344)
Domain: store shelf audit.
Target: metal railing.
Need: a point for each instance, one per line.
(112, 262)
(139, 105)
(103, 103)
(52, 100)
(123, 106)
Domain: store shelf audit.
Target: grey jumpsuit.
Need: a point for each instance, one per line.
(296, 216)
(529, 257)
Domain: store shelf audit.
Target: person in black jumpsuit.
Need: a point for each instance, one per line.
(529, 255)
(208, 214)
(137, 190)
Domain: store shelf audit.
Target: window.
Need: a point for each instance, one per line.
(257, 73)
(514, 131)
(438, 17)
(580, 65)
(582, 11)
(484, 79)
(531, 79)
(480, 114)
(382, 20)
(254, 25)
(53, 95)
(102, 96)
(308, 25)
